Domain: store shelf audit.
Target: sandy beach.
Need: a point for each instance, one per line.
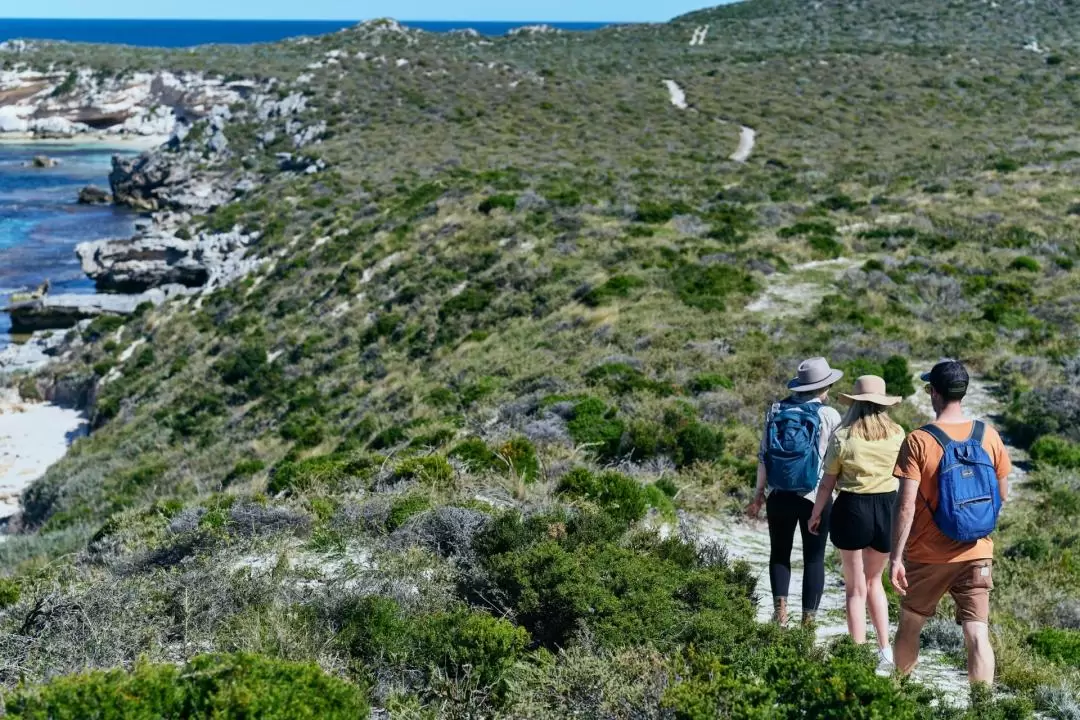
(33, 436)
(119, 142)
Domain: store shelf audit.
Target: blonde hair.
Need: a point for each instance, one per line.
(870, 421)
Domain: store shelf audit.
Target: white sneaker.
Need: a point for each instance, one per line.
(885, 660)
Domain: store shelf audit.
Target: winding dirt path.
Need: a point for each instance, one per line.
(747, 137)
(797, 292)
(678, 96)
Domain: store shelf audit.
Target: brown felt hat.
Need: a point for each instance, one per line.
(814, 374)
(871, 389)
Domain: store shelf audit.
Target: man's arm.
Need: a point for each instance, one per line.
(903, 516)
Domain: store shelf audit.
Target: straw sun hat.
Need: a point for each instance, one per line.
(871, 388)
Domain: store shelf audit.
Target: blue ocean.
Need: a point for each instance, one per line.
(40, 221)
(186, 33)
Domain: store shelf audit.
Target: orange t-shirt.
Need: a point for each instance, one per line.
(918, 462)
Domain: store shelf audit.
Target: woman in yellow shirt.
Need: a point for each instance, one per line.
(859, 463)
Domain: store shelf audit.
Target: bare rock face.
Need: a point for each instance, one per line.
(161, 181)
(58, 312)
(158, 258)
(93, 195)
(43, 162)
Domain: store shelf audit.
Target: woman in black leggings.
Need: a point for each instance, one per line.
(791, 509)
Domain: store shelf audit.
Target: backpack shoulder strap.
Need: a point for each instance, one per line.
(938, 434)
(978, 431)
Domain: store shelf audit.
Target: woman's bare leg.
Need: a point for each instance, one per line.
(855, 589)
(873, 566)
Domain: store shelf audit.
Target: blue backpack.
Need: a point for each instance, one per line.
(969, 500)
(792, 458)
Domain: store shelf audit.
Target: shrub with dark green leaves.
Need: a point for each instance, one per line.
(622, 378)
(404, 507)
(1060, 646)
(562, 575)
(521, 454)
(376, 630)
(615, 287)
(219, 686)
(432, 469)
(506, 202)
(709, 287)
(1056, 451)
(595, 424)
(322, 471)
(620, 496)
(476, 454)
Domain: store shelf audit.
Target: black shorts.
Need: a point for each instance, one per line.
(863, 521)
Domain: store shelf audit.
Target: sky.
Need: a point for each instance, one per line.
(505, 10)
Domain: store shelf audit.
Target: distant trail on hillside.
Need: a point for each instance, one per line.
(746, 144)
(700, 33)
(678, 97)
(747, 136)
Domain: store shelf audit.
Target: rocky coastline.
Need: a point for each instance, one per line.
(176, 182)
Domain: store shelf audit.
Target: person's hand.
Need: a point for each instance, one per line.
(815, 523)
(753, 510)
(898, 576)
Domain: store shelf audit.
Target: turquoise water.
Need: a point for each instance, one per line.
(40, 221)
(184, 33)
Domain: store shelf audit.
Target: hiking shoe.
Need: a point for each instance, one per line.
(885, 660)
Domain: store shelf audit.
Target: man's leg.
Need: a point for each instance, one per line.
(906, 650)
(980, 654)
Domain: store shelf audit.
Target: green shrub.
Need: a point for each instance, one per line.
(10, 592)
(377, 631)
(101, 326)
(707, 288)
(617, 286)
(521, 454)
(219, 686)
(506, 202)
(67, 86)
(1025, 264)
(1060, 646)
(825, 246)
(475, 453)
(837, 203)
(244, 469)
(1055, 451)
(388, 438)
(658, 213)
(432, 469)
(247, 367)
(621, 378)
(404, 507)
(619, 496)
(710, 382)
(324, 471)
(563, 576)
(595, 424)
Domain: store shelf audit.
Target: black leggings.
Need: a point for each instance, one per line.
(786, 510)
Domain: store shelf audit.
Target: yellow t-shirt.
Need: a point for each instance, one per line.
(863, 466)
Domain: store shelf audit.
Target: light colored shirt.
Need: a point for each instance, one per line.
(863, 466)
(830, 421)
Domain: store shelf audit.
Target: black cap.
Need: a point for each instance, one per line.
(949, 378)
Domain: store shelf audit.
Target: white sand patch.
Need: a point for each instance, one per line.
(678, 96)
(700, 33)
(33, 436)
(747, 137)
(796, 293)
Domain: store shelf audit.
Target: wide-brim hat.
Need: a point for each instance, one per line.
(814, 374)
(871, 389)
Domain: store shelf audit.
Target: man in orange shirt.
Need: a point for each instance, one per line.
(925, 563)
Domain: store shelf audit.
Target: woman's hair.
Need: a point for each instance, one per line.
(870, 421)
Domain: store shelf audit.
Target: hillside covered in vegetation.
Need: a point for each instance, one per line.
(510, 328)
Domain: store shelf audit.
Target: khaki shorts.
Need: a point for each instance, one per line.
(969, 583)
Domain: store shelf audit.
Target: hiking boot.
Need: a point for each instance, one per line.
(780, 613)
(809, 618)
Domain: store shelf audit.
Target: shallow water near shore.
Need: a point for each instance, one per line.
(41, 222)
